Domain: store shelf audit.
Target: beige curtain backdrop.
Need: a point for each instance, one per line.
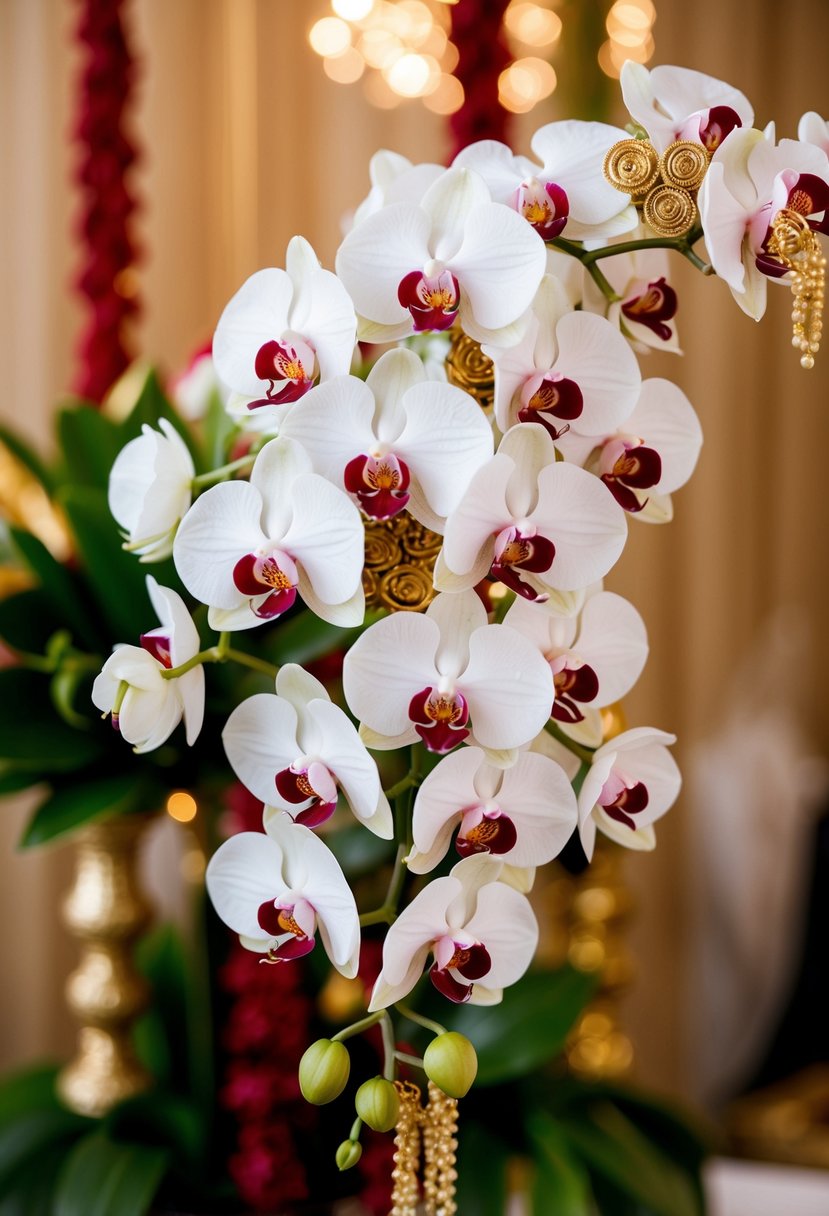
(245, 142)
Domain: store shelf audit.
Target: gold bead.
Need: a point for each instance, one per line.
(669, 211)
(684, 164)
(632, 166)
(807, 361)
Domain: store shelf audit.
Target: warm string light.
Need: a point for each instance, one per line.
(629, 26)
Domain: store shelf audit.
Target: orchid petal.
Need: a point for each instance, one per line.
(386, 666)
(572, 153)
(445, 440)
(333, 423)
(243, 873)
(506, 924)
(420, 923)
(614, 641)
(449, 202)
(257, 314)
(666, 420)
(220, 527)
(346, 757)
(585, 523)
(377, 254)
(499, 265)
(595, 355)
(481, 513)
(260, 740)
(326, 537)
(508, 685)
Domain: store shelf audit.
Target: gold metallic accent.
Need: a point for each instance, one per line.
(669, 211)
(399, 564)
(684, 164)
(25, 503)
(798, 248)
(434, 1129)
(106, 910)
(467, 367)
(632, 166)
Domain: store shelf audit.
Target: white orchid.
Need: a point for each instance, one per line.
(566, 192)
(447, 676)
(570, 368)
(647, 303)
(633, 780)
(247, 548)
(748, 181)
(398, 439)
(536, 524)
(413, 267)
(524, 814)
(394, 179)
(277, 889)
(596, 658)
(650, 456)
(677, 103)
(145, 707)
(284, 330)
(150, 489)
(482, 933)
(294, 749)
(813, 129)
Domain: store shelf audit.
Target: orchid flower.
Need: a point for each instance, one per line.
(595, 659)
(150, 489)
(537, 525)
(812, 129)
(284, 330)
(247, 549)
(566, 192)
(276, 890)
(394, 179)
(633, 780)
(294, 749)
(482, 933)
(197, 385)
(417, 266)
(144, 706)
(524, 814)
(447, 676)
(569, 368)
(748, 181)
(677, 103)
(650, 456)
(647, 303)
(396, 440)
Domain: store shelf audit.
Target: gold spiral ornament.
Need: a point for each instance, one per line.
(684, 164)
(669, 211)
(407, 588)
(467, 367)
(382, 547)
(632, 166)
(399, 565)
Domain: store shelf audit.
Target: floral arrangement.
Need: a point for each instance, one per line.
(466, 389)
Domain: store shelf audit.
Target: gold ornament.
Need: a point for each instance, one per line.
(107, 911)
(399, 564)
(433, 1130)
(669, 210)
(632, 165)
(684, 164)
(798, 248)
(467, 367)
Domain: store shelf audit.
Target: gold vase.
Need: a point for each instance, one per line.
(106, 910)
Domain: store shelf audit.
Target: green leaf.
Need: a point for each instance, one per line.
(31, 1133)
(616, 1150)
(528, 1027)
(28, 1090)
(482, 1171)
(161, 1119)
(28, 620)
(117, 578)
(59, 585)
(32, 736)
(304, 637)
(13, 778)
(102, 1177)
(72, 805)
(219, 429)
(89, 442)
(561, 1183)
(27, 457)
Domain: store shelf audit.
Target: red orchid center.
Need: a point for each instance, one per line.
(457, 965)
(551, 400)
(290, 369)
(544, 205)
(721, 121)
(517, 553)
(440, 718)
(307, 781)
(158, 645)
(273, 576)
(380, 484)
(627, 466)
(575, 684)
(281, 921)
(622, 797)
(432, 296)
(654, 305)
(485, 830)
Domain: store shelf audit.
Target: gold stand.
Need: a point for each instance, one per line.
(106, 910)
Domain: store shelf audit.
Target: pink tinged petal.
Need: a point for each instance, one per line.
(481, 513)
(419, 925)
(613, 639)
(257, 314)
(508, 685)
(500, 265)
(221, 526)
(586, 525)
(346, 757)
(326, 537)
(245, 872)
(665, 418)
(595, 356)
(572, 153)
(505, 923)
(260, 740)
(376, 255)
(386, 666)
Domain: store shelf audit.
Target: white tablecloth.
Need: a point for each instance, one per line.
(744, 1188)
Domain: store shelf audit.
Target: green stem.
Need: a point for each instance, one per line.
(589, 257)
(358, 1027)
(209, 479)
(405, 783)
(356, 1128)
(387, 912)
(405, 1058)
(222, 652)
(388, 1047)
(419, 1019)
(251, 661)
(585, 754)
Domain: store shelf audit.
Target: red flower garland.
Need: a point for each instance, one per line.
(106, 156)
(478, 33)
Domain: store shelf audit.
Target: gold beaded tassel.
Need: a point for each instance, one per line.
(434, 1128)
(405, 1185)
(798, 248)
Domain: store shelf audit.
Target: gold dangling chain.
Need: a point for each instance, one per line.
(798, 248)
(435, 1129)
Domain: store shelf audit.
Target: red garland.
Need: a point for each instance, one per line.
(478, 33)
(103, 228)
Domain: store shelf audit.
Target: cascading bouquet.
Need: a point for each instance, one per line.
(464, 394)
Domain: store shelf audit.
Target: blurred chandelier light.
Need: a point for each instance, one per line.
(402, 49)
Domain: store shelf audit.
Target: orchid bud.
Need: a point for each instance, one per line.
(377, 1104)
(450, 1061)
(348, 1154)
(323, 1071)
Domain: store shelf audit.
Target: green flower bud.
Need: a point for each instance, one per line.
(377, 1104)
(323, 1071)
(348, 1154)
(450, 1061)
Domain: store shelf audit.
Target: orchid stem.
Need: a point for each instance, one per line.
(405, 783)
(405, 1058)
(387, 912)
(419, 1019)
(388, 1046)
(209, 479)
(358, 1027)
(222, 652)
(584, 754)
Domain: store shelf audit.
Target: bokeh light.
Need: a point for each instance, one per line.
(330, 36)
(182, 806)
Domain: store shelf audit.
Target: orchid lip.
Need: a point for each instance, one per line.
(622, 797)
(440, 717)
(292, 366)
(273, 577)
(433, 301)
(655, 305)
(488, 831)
(379, 483)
